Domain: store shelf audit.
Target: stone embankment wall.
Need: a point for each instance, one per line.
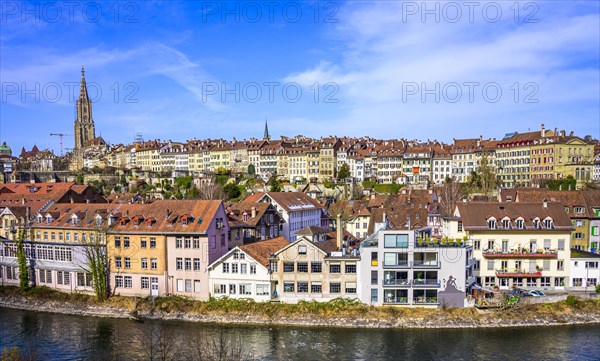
(439, 319)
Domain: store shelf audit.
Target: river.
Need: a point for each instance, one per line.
(46, 336)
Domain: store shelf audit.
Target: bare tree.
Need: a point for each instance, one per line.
(450, 194)
(158, 343)
(211, 191)
(218, 347)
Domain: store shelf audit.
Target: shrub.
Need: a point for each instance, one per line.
(598, 288)
(571, 300)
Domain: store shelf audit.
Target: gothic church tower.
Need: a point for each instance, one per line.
(84, 123)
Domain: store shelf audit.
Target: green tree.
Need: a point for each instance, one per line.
(251, 169)
(274, 185)
(487, 176)
(344, 171)
(97, 265)
(79, 179)
(22, 261)
(232, 191)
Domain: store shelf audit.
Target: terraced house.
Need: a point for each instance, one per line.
(525, 245)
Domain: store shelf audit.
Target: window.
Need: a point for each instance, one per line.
(545, 282)
(145, 281)
(117, 242)
(335, 268)
(592, 281)
(232, 289)
(245, 289)
(219, 289)
(288, 266)
(301, 249)
(350, 287)
(579, 210)
(591, 264)
(546, 244)
(119, 281)
(188, 264)
(143, 243)
(196, 242)
(179, 285)
(187, 244)
(243, 268)
(152, 242)
(302, 267)
(178, 242)
(490, 265)
(520, 223)
(153, 263)
(144, 263)
(561, 244)
(577, 282)
(188, 286)
(546, 265)
(374, 277)
(302, 287)
(262, 289)
(127, 262)
(548, 223)
(118, 261)
(197, 288)
(253, 268)
(234, 267)
(179, 263)
(335, 287)
(288, 287)
(126, 242)
(316, 287)
(225, 267)
(578, 235)
(491, 223)
(222, 240)
(196, 264)
(350, 268)
(395, 240)
(506, 223)
(477, 244)
(374, 295)
(128, 281)
(315, 267)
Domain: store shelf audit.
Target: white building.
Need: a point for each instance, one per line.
(397, 267)
(585, 270)
(244, 271)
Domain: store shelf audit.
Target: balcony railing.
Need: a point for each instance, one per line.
(547, 254)
(400, 264)
(425, 300)
(426, 282)
(396, 282)
(518, 274)
(395, 300)
(425, 264)
(435, 242)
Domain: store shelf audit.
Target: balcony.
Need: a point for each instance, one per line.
(395, 301)
(426, 264)
(426, 283)
(396, 282)
(425, 300)
(542, 254)
(518, 274)
(399, 264)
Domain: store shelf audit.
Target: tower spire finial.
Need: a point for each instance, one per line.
(266, 135)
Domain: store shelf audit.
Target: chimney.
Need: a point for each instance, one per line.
(23, 201)
(543, 132)
(572, 133)
(253, 212)
(72, 201)
(545, 203)
(340, 232)
(87, 201)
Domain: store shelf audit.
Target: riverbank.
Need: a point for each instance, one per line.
(337, 313)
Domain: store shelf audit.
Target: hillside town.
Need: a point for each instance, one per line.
(387, 222)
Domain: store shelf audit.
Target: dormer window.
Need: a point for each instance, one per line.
(548, 223)
(492, 223)
(40, 218)
(245, 217)
(537, 224)
(48, 219)
(520, 222)
(506, 223)
(75, 219)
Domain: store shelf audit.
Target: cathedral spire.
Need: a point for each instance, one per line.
(84, 122)
(266, 135)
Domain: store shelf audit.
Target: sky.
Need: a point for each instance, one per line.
(385, 69)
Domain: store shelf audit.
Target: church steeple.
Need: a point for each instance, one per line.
(266, 136)
(84, 122)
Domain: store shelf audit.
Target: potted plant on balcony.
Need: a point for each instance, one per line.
(539, 268)
(443, 241)
(420, 242)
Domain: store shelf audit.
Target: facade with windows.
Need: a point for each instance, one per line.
(244, 271)
(398, 268)
(523, 245)
(584, 271)
(304, 270)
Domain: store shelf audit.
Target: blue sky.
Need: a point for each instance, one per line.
(387, 69)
